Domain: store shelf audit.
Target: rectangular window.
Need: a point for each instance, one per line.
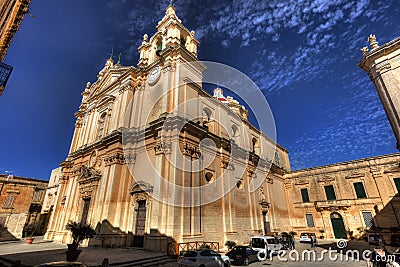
(304, 195)
(360, 190)
(330, 192)
(310, 220)
(397, 183)
(9, 202)
(85, 211)
(368, 220)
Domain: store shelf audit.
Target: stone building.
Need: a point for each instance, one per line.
(346, 198)
(21, 200)
(150, 160)
(382, 63)
(11, 14)
(50, 197)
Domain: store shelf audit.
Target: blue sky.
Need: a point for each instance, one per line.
(302, 54)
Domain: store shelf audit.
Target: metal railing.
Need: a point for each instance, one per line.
(177, 248)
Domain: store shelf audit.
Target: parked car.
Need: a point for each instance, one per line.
(265, 245)
(395, 240)
(204, 258)
(62, 264)
(375, 239)
(242, 255)
(306, 237)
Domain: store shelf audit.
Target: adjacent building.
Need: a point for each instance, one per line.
(346, 199)
(21, 201)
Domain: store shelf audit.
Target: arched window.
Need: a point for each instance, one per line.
(102, 122)
(277, 159)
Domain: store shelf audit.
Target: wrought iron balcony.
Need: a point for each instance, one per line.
(5, 72)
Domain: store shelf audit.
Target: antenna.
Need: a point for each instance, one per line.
(112, 52)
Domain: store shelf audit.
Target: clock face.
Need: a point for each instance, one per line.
(154, 75)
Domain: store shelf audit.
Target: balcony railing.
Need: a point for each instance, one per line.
(5, 72)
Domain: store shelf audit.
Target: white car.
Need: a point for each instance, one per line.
(265, 245)
(306, 237)
(204, 258)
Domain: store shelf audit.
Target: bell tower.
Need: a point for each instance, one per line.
(171, 34)
(382, 63)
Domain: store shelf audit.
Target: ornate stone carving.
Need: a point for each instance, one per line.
(226, 164)
(126, 87)
(191, 151)
(170, 67)
(162, 148)
(364, 50)
(88, 181)
(114, 158)
(250, 171)
(382, 67)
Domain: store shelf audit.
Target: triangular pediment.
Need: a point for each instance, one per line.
(140, 187)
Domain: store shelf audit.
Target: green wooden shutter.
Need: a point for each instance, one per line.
(304, 195)
(397, 183)
(330, 192)
(360, 191)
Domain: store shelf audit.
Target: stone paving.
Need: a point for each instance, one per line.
(42, 251)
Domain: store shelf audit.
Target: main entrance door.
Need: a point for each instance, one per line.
(140, 224)
(338, 226)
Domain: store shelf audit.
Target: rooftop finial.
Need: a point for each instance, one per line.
(372, 42)
(171, 2)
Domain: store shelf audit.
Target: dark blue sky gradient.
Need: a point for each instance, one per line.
(302, 54)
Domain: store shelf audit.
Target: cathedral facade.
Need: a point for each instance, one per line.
(151, 161)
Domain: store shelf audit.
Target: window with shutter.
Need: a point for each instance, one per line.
(304, 195)
(368, 219)
(330, 192)
(310, 220)
(9, 202)
(360, 190)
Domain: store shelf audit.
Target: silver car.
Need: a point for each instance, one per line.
(204, 258)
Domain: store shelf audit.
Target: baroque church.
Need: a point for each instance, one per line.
(156, 161)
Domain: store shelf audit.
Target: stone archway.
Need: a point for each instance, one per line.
(338, 227)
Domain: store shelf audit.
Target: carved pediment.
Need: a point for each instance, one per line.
(355, 175)
(302, 182)
(393, 168)
(140, 187)
(326, 180)
(88, 181)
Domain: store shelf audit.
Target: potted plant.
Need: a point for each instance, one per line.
(29, 231)
(322, 231)
(79, 232)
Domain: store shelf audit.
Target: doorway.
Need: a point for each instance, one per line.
(338, 226)
(141, 210)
